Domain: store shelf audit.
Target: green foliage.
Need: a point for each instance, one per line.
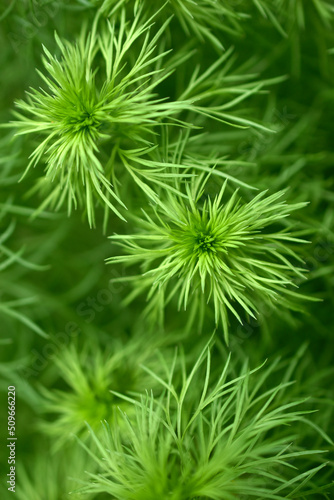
(203, 18)
(211, 438)
(14, 296)
(199, 134)
(52, 477)
(75, 116)
(226, 254)
(95, 124)
(91, 377)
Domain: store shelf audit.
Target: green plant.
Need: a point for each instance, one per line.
(92, 377)
(52, 477)
(199, 134)
(96, 123)
(213, 438)
(203, 18)
(227, 254)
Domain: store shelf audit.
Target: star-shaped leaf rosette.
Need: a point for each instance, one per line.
(219, 253)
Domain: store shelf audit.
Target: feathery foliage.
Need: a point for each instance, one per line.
(226, 253)
(203, 18)
(76, 115)
(213, 439)
(95, 121)
(215, 118)
(91, 377)
(52, 477)
(10, 307)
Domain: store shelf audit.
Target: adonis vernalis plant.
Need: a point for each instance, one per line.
(199, 134)
(221, 251)
(76, 116)
(218, 438)
(95, 121)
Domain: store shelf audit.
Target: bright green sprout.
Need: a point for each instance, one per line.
(77, 115)
(100, 115)
(231, 255)
(82, 111)
(232, 434)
